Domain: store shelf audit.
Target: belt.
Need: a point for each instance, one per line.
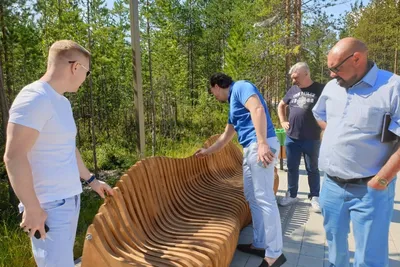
(339, 180)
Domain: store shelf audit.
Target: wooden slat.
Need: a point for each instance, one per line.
(172, 212)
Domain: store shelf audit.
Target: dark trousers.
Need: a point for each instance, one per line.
(294, 149)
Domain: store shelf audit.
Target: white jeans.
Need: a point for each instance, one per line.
(62, 219)
(259, 192)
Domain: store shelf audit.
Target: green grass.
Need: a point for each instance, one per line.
(15, 248)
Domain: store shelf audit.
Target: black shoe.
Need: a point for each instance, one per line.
(279, 262)
(246, 248)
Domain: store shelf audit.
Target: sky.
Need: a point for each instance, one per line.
(335, 10)
(341, 8)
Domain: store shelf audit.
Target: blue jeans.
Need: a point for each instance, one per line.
(294, 149)
(370, 212)
(259, 192)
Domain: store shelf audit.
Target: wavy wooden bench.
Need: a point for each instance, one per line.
(172, 212)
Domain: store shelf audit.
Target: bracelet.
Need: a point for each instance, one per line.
(91, 179)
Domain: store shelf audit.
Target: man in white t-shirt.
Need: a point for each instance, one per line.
(43, 163)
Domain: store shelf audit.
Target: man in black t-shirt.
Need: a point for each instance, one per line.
(302, 133)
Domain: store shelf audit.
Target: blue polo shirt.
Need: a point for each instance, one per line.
(239, 116)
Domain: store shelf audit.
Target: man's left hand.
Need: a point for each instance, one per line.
(265, 155)
(101, 188)
(373, 183)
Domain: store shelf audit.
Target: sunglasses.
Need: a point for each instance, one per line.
(336, 69)
(87, 71)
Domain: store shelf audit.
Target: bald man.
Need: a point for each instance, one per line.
(43, 163)
(360, 170)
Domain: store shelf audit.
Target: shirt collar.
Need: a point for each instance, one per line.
(371, 76)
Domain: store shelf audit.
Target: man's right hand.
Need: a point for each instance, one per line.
(34, 219)
(285, 125)
(201, 153)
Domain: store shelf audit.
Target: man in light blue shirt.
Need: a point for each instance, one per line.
(360, 171)
(249, 117)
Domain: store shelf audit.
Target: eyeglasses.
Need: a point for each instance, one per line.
(87, 71)
(336, 69)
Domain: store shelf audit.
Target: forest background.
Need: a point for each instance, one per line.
(182, 43)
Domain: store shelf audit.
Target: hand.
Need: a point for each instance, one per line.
(285, 125)
(101, 188)
(373, 183)
(33, 219)
(265, 155)
(201, 153)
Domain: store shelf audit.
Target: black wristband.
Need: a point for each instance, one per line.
(91, 179)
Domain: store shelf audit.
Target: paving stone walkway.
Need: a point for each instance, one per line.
(303, 233)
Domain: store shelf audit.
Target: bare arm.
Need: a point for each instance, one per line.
(100, 187)
(84, 173)
(224, 139)
(20, 140)
(388, 171)
(322, 124)
(259, 120)
(282, 115)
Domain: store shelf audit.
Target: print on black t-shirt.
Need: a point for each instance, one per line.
(302, 124)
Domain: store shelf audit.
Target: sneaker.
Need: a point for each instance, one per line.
(288, 200)
(315, 204)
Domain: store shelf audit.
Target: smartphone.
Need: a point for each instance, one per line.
(37, 233)
(260, 163)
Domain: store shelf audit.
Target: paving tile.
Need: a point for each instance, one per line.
(248, 230)
(245, 239)
(313, 251)
(239, 259)
(304, 242)
(253, 261)
(307, 261)
(292, 247)
(292, 258)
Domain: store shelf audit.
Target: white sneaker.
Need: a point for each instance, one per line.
(315, 204)
(287, 200)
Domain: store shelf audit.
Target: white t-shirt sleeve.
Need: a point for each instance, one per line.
(31, 109)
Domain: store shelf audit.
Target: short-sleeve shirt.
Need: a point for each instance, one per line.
(52, 157)
(239, 115)
(302, 124)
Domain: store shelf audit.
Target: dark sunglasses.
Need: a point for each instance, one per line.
(87, 71)
(336, 69)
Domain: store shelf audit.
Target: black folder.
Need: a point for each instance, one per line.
(387, 136)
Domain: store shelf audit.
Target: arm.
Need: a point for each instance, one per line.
(319, 111)
(98, 186)
(259, 119)
(224, 139)
(388, 171)
(282, 115)
(392, 166)
(84, 173)
(20, 140)
(321, 124)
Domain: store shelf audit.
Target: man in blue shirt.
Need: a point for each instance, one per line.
(249, 117)
(360, 170)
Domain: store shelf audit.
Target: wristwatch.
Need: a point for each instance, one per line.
(382, 181)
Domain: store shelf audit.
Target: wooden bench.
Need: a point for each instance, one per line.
(172, 212)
